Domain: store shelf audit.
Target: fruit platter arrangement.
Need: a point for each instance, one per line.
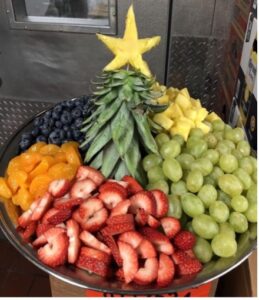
(134, 188)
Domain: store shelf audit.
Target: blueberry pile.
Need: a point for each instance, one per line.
(60, 124)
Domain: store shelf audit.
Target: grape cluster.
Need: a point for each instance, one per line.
(58, 125)
(212, 185)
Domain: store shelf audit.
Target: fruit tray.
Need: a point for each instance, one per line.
(83, 279)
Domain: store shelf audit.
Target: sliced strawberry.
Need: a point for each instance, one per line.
(118, 228)
(180, 256)
(190, 253)
(90, 240)
(59, 187)
(190, 266)
(160, 241)
(166, 270)
(109, 240)
(131, 237)
(111, 197)
(82, 189)
(49, 213)
(42, 204)
(129, 261)
(54, 253)
(60, 216)
(63, 203)
(153, 222)
(161, 203)
(90, 206)
(146, 249)
(41, 228)
(40, 241)
(110, 185)
(184, 240)
(51, 233)
(97, 254)
(171, 226)
(25, 218)
(29, 230)
(127, 218)
(148, 273)
(84, 172)
(141, 217)
(133, 186)
(144, 200)
(120, 274)
(74, 242)
(121, 208)
(120, 182)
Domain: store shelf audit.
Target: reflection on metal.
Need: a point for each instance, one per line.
(63, 15)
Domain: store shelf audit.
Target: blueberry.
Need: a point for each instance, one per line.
(66, 118)
(86, 110)
(66, 128)
(25, 144)
(27, 136)
(58, 124)
(51, 123)
(76, 113)
(70, 104)
(78, 102)
(73, 126)
(38, 122)
(85, 99)
(58, 108)
(69, 135)
(56, 136)
(76, 134)
(45, 130)
(41, 138)
(35, 131)
(48, 114)
(78, 122)
(55, 115)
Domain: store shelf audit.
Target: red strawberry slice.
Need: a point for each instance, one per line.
(49, 213)
(146, 249)
(90, 240)
(67, 203)
(127, 218)
(29, 230)
(160, 241)
(111, 197)
(60, 216)
(54, 253)
(144, 200)
(90, 206)
(153, 222)
(161, 203)
(129, 261)
(109, 240)
(118, 228)
(120, 274)
(41, 228)
(121, 208)
(40, 241)
(171, 226)
(184, 240)
(113, 185)
(166, 270)
(148, 273)
(141, 217)
(74, 242)
(96, 254)
(131, 237)
(84, 172)
(180, 256)
(133, 186)
(25, 218)
(122, 183)
(59, 187)
(188, 267)
(190, 253)
(82, 189)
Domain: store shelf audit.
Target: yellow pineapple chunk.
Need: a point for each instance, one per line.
(170, 110)
(185, 93)
(162, 120)
(182, 128)
(196, 103)
(186, 120)
(163, 99)
(172, 93)
(176, 111)
(212, 117)
(205, 128)
(202, 114)
(183, 101)
(191, 114)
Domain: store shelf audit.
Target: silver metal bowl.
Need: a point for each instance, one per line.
(83, 279)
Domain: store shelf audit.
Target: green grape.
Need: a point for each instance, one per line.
(252, 231)
(223, 148)
(175, 207)
(239, 203)
(161, 138)
(205, 226)
(194, 181)
(204, 165)
(218, 125)
(179, 139)
(254, 176)
(208, 194)
(251, 194)
(209, 180)
(238, 134)
(178, 188)
(230, 184)
(185, 175)
(159, 185)
(224, 198)
(251, 213)
(229, 134)
(196, 146)
(238, 221)
(192, 205)
(246, 164)
(188, 226)
(243, 242)
(237, 154)
(211, 140)
(150, 161)
(228, 163)
(170, 149)
(227, 127)
(216, 173)
(223, 245)
(244, 177)
(197, 132)
(155, 174)
(208, 124)
(244, 148)
(227, 229)
(172, 169)
(202, 250)
(219, 135)
(219, 211)
(230, 144)
(212, 155)
(254, 162)
(185, 160)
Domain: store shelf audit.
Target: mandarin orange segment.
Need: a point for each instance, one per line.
(73, 156)
(5, 191)
(60, 157)
(69, 144)
(29, 161)
(49, 149)
(23, 198)
(17, 179)
(13, 165)
(39, 185)
(41, 168)
(63, 170)
(12, 210)
(36, 147)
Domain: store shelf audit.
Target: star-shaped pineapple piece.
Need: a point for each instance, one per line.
(129, 49)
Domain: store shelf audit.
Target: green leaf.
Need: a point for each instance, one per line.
(125, 93)
(116, 83)
(137, 81)
(97, 161)
(102, 138)
(139, 88)
(122, 128)
(110, 158)
(121, 170)
(85, 128)
(102, 92)
(132, 157)
(154, 126)
(156, 108)
(107, 98)
(93, 115)
(144, 132)
(120, 75)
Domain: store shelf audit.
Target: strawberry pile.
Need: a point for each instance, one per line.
(109, 228)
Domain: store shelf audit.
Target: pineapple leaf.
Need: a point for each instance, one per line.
(154, 126)
(121, 170)
(122, 128)
(125, 93)
(120, 75)
(139, 88)
(93, 115)
(132, 157)
(102, 138)
(116, 83)
(137, 81)
(107, 98)
(97, 161)
(156, 108)
(111, 156)
(86, 127)
(102, 91)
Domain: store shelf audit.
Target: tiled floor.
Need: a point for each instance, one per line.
(18, 277)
